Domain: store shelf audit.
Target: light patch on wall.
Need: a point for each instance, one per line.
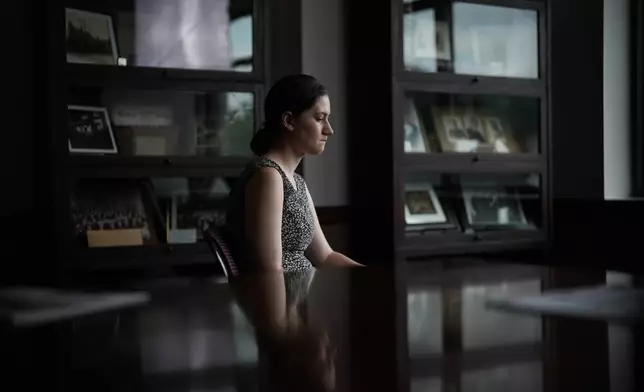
(617, 126)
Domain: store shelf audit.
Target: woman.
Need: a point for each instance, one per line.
(271, 221)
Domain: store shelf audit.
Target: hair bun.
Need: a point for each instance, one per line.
(263, 140)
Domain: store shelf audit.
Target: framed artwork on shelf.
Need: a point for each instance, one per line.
(89, 130)
(89, 38)
(499, 135)
(415, 134)
(493, 207)
(463, 130)
(111, 213)
(423, 208)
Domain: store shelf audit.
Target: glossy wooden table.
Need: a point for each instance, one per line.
(422, 327)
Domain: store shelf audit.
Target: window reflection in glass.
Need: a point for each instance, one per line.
(484, 328)
(191, 34)
(424, 322)
(438, 122)
(526, 377)
(179, 123)
(190, 205)
(471, 39)
(196, 34)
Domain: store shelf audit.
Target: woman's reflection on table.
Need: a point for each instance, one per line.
(293, 355)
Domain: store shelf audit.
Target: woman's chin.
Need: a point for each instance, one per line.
(317, 150)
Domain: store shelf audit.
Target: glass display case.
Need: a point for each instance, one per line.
(197, 35)
(117, 212)
(470, 126)
(153, 110)
(447, 123)
(471, 203)
(470, 39)
(160, 123)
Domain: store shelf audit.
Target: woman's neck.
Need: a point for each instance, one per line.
(285, 157)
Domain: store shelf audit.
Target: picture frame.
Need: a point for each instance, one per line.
(89, 130)
(110, 206)
(499, 135)
(422, 205)
(493, 206)
(89, 38)
(472, 131)
(416, 140)
(419, 40)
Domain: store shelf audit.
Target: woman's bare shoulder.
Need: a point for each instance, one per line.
(264, 182)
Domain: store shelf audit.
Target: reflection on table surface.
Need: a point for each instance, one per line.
(424, 327)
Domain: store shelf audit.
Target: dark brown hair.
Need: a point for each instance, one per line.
(293, 93)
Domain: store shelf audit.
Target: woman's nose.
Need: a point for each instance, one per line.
(328, 130)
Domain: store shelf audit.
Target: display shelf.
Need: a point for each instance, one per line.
(131, 109)
(467, 100)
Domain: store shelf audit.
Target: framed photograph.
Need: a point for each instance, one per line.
(89, 38)
(415, 133)
(419, 40)
(500, 136)
(104, 205)
(89, 130)
(469, 131)
(493, 206)
(460, 131)
(422, 205)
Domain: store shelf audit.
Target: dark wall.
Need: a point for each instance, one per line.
(17, 195)
(24, 143)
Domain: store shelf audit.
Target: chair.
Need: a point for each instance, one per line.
(215, 240)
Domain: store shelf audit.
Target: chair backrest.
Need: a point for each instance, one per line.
(221, 251)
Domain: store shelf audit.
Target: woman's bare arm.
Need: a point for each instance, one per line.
(320, 252)
(264, 200)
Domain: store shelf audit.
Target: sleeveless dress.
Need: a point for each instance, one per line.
(298, 225)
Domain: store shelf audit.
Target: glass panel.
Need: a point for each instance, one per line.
(107, 212)
(495, 41)
(157, 123)
(190, 205)
(487, 40)
(119, 212)
(476, 202)
(208, 35)
(438, 122)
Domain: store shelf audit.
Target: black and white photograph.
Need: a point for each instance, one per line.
(474, 128)
(422, 205)
(108, 206)
(415, 135)
(89, 130)
(419, 40)
(89, 38)
(461, 130)
(493, 206)
(500, 136)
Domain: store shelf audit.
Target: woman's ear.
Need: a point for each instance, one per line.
(287, 121)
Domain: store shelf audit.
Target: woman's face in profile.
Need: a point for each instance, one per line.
(311, 129)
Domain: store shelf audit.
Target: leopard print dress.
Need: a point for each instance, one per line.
(297, 219)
